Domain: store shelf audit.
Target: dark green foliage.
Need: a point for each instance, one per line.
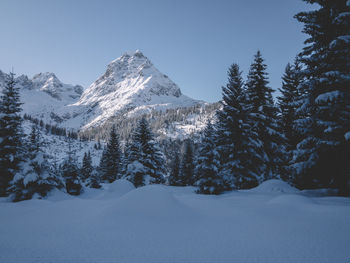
(187, 176)
(241, 159)
(70, 173)
(86, 168)
(208, 178)
(110, 164)
(288, 103)
(264, 115)
(11, 146)
(145, 162)
(174, 176)
(88, 174)
(35, 176)
(94, 180)
(322, 156)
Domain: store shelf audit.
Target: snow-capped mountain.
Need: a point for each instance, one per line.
(44, 95)
(131, 85)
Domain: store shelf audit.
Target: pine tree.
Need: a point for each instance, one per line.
(86, 169)
(145, 164)
(94, 181)
(92, 176)
(174, 176)
(187, 176)
(322, 156)
(239, 148)
(262, 108)
(70, 172)
(288, 106)
(288, 103)
(35, 176)
(103, 166)
(207, 168)
(133, 168)
(11, 146)
(110, 164)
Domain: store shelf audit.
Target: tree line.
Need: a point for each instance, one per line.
(302, 138)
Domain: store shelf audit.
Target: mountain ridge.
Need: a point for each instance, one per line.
(131, 86)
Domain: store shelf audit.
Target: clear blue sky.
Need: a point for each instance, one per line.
(193, 42)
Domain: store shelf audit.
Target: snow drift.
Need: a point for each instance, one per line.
(275, 186)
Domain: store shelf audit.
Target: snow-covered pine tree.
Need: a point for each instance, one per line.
(262, 108)
(70, 172)
(322, 156)
(133, 168)
(241, 161)
(102, 168)
(207, 174)
(55, 169)
(86, 168)
(174, 176)
(94, 181)
(11, 134)
(187, 176)
(288, 103)
(35, 176)
(111, 166)
(92, 176)
(145, 164)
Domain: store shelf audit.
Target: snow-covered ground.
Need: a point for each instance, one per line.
(57, 147)
(272, 223)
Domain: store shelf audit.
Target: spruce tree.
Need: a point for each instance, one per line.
(174, 176)
(103, 166)
(92, 176)
(322, 156)
(70, 172)
(87, 168)
(110, 165)
(264, 112)
(35, 176)
(239, 148)
(94, 181)
(11, 146)
(208, 178)
(145, 164)
(133, 168)
(288, 103)
(187, 176)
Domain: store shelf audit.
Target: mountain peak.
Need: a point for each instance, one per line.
(136, 53)
(133, 73)
(131, 82)
(128, 63)
(45, 76)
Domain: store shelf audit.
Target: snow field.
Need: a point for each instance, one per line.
(159, 223)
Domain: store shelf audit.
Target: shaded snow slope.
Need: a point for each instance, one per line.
(172, 224)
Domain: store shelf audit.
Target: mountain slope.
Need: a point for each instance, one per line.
(44, 95)
(131, 85)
